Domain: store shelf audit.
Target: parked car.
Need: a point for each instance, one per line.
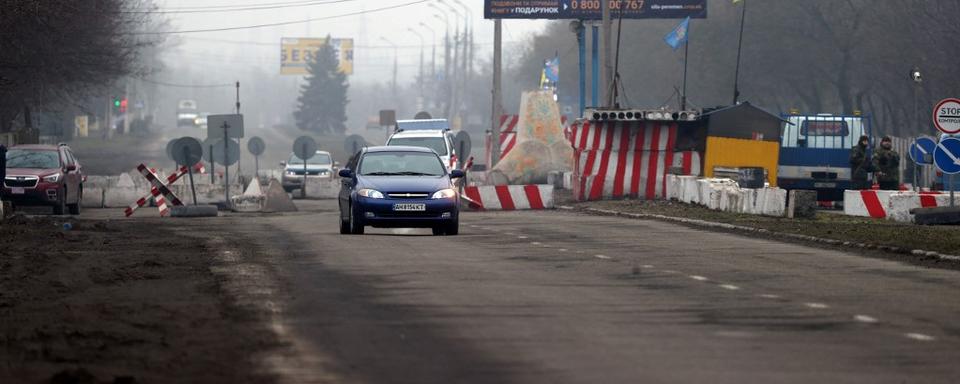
(49, 175)
(399, 186)
(320, 166)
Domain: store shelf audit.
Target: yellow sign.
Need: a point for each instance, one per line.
(296, 53)
(81, 125)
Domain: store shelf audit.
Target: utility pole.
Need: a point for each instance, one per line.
(736, 76)
(497, 96)
(605, 62)
(239, 175)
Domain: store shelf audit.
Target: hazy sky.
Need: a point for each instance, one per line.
(373, 56)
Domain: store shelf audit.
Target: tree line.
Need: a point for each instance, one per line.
(62, 52)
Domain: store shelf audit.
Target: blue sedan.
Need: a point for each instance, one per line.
(399, 187)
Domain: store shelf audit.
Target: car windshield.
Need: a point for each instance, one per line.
(435, 143)
(18, 158)
(401, 164)
(320, 158)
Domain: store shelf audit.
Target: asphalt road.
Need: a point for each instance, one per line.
(559, 297)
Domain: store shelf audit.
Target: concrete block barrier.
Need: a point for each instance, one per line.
(510, 197)
(866, 203)
(93, 197)
(900, 204)
(322, 189)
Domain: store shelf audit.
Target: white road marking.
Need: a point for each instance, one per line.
(562, 249)
(729, 286)
(817, 305)
(865, 319)
(604, 257)
(920, 337)
(581, 252)
(522, 237)
(670, 271)
(769, 296)
(647, 266)
(698, 278)
(534, 243)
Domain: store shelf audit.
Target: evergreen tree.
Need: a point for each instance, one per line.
(323, 99)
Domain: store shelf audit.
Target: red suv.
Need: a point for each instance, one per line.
(44, 175)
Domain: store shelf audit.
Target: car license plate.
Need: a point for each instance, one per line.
(824, 185)
(17, 191)
(410, 207)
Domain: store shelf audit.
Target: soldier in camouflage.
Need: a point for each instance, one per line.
(886, 161)
(860, 164)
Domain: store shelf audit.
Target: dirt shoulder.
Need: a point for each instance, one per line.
(898, 240)
(119, 301)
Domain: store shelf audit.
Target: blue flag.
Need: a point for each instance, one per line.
(551, 69)
(678, 36)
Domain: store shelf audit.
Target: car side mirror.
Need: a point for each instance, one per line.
(283, 163)
(457, 173)
(71, 168)
(345, 173)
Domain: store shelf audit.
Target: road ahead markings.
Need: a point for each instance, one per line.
(865, 319)
(698, 278)
(603, 257)
(562, 249)
(769, 296)
(816, 305)
(920, 337)
(522, 237)
(535, 243)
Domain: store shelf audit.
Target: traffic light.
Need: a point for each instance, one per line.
(123, 105)
(116, 102)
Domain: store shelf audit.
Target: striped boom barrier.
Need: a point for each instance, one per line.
(618, 159)
(509, 197)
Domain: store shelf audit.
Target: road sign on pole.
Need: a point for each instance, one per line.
(947, 156)
(229, 125)
(946, 116)
(921, 151)
(305, 148)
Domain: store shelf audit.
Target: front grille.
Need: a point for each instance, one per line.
(408, 195)
(21, 181)
(299, 172)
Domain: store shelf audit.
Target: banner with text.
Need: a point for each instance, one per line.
(296, 53)
(590, 9)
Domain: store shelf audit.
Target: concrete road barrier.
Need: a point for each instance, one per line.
(510, 197)
(901, 204)
(726, 195)
(866, 203)
(93, 197)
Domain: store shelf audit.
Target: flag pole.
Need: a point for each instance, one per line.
(736, 76)
(686, 51)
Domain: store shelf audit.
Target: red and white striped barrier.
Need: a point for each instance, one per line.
(900, 204)
(866, 203)
(625, 158)
(509, 197)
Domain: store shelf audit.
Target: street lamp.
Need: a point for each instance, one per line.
(433, 50)
(468, 36)
(917, 81)
(393, 84)
(420, 78)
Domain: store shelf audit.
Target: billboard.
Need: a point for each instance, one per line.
(590, 9)
(295, 53)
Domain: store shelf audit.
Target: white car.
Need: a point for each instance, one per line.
(432, 133)
(320, 166)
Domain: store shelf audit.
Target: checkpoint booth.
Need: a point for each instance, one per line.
(620, 158)
(742, 136)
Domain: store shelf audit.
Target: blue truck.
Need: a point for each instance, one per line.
(815, 152)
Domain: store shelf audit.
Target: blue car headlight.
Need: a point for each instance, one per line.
(371, 193)
(444, 194)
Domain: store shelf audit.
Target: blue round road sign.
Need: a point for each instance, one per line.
(947, 156)
(921, 151)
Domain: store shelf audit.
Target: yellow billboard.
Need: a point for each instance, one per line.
(295, 53)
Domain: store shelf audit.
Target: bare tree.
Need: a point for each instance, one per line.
(53, 50)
